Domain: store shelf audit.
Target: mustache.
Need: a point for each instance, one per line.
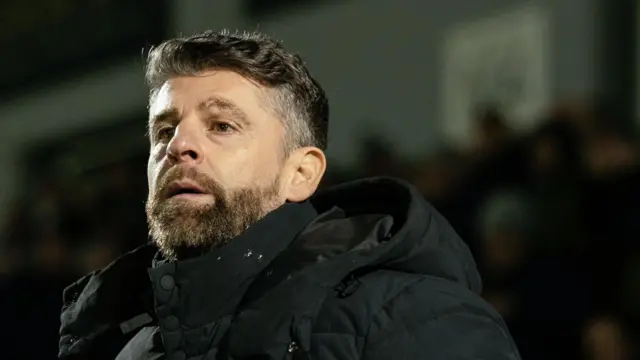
(177, 173)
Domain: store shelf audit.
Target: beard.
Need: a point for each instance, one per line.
(181, 228)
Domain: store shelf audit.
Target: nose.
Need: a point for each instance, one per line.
(185, 146)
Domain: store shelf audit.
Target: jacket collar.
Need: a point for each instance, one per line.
(220, 278)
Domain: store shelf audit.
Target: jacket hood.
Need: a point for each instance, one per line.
(394, 228)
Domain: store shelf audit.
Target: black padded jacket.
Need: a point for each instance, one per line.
(366, 270)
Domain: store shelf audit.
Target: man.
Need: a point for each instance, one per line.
(245, 261)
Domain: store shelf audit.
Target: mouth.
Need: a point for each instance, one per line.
(184, 189)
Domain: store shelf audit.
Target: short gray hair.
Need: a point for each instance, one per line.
(291, 92)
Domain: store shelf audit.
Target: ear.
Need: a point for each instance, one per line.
(307, 166)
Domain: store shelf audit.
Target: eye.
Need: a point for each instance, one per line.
(222, 127)
(165, 133)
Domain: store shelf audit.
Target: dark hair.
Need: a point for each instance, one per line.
(292, 93)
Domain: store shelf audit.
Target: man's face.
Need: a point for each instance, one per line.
(215, 162)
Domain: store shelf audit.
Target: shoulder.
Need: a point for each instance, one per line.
(425, 313)
(384, 290)
(99, 302)
(125, 270)
(430, 298)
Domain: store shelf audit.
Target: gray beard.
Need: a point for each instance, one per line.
(180, 228)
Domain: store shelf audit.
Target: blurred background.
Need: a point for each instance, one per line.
(517, 119)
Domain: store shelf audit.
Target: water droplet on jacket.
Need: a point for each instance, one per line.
(260, 257)
(293, 347)
(248, 254)
(269, 272)
(219, 257)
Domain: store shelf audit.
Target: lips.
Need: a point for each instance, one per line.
(183, 187)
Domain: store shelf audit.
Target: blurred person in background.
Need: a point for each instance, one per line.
(612, 207)
(246, 261)
(605, 338)
(527, 286)
(556, 182)
(378, 158)
(492, 132)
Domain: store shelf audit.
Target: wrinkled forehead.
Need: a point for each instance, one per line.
(189, 92)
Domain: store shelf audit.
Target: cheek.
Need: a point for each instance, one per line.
(247, 163)
(153, 166)
(151, 179)
(242, 172)
(149, 176)
(267, 168)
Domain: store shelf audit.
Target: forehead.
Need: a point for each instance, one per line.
(187, 93)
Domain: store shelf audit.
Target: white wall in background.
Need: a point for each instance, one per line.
(502, 59)
(381, 61)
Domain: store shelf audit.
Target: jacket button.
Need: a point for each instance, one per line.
(167, 282)
(171, 323)
(178, 355)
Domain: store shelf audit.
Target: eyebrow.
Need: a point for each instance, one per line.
(210, 105)
(171, 115)
(217, 104)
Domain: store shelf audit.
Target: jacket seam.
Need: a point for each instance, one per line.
(389, 301)
(449, 312)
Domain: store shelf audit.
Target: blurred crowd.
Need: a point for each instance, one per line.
(551, 215)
